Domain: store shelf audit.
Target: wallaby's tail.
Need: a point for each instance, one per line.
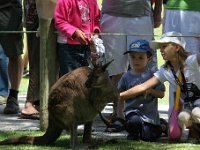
(52, 133)
(18, 140)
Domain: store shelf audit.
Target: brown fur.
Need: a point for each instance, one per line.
(76, 98)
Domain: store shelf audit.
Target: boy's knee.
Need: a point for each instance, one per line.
(184, 119)
(133, 124)
(196, 115)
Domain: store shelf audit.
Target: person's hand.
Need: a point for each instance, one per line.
(94, 56)
(80, 36)
(148, 91)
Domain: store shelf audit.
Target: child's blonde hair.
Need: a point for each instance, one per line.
(182, 55)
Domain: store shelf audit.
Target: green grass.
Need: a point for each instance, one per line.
(101, 144)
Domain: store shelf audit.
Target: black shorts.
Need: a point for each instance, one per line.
(11, 20)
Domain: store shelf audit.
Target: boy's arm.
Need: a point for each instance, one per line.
(156, 93)
(139, 89)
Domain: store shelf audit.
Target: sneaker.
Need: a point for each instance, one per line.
(80, 129)
(3, 100)
(164, 126)
(116, 126)
(12, 106)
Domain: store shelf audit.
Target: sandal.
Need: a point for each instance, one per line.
(116, 126)
(164, 126)
(12, 106)
(33, 116)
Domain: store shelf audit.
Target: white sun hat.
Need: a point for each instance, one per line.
(169, 37)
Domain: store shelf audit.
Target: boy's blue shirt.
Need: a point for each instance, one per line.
(145, 105)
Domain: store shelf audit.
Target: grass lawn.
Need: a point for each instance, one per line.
(101, 144)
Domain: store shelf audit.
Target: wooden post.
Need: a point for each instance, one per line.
(48, 69)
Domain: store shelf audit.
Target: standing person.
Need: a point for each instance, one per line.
(178, 61)
(30, 110)
(127, 17)
(11, 20)
(183, 16)
(4, 80)
(141, 112)
(75, 20)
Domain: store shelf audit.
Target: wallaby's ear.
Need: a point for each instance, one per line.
(106, 65)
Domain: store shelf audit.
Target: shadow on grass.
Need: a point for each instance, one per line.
(97, 143)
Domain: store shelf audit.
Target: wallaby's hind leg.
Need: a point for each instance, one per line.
(73, 136)
(87, 132)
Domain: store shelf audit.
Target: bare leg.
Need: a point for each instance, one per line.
(15, 70)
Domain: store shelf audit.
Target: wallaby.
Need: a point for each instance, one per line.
(76, 98)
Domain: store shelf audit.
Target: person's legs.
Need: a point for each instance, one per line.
(4, 80)
(196, 115)
(12, 45)
(34, 59)
(15, 70)
(71, 57)
(133, 126)
(184, 119)
(31, 107)
(150, 132)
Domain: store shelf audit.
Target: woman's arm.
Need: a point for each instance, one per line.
(136, 90)
(157, 10)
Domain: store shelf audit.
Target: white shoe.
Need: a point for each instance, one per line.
(80, 129)
(185, 135)
(3, 100)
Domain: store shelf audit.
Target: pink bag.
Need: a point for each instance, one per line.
(175, 131)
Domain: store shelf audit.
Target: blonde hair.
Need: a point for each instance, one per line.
(182, 55)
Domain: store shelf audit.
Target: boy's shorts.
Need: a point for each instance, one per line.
(11, 20)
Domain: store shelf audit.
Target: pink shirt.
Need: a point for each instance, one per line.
(85, 15)
(71, 15)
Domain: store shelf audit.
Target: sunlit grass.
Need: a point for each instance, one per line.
(101, 144)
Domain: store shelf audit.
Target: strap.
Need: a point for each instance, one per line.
(178, 93)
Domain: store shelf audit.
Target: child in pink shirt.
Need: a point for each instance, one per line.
(75, 20)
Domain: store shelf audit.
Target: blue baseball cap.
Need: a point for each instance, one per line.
(139, 46)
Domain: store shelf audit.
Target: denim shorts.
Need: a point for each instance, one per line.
(71, 56)
(11, 20)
